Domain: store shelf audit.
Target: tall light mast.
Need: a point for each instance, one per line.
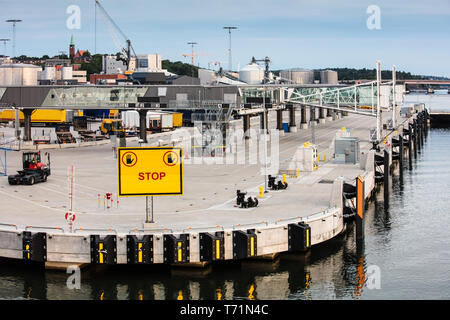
(4, 43)
(14, 21)
(230, 63)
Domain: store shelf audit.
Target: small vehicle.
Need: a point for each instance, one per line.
(34, 170)
(112, 127)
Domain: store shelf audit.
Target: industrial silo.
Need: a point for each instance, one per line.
(67, 73)
(49, 73)
(252, 74)
(18, 74)
(299, 76)
(30, 75)
(328, 77)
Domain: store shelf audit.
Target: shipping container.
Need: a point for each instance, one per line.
(156, 121)
(38, 115)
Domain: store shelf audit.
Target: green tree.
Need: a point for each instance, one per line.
(94, 66)
(180, 68)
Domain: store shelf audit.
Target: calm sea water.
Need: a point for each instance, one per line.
(405, 255)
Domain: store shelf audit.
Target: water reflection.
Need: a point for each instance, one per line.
(291, 276)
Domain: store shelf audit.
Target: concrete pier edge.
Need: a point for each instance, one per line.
(62, 249)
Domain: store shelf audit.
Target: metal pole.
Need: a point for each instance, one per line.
(265, 142)
(338, 98)
(149, 209)
(378, 101)
(313, 125)
(372, 97)
(151, 221)
(146, 210)
(394, 102)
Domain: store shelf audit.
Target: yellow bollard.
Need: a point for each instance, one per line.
(261, 192)
(318, 157)
(284, 178)
(298, 173)
(324, 158)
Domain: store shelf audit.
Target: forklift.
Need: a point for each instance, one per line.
(34, 170)
(112, 127)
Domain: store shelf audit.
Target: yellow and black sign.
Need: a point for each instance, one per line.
(150, 171)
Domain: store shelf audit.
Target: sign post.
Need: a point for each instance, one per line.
(150, 171)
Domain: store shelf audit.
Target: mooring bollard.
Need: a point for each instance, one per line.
(261, 192)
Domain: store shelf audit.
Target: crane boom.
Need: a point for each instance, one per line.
(113, 26)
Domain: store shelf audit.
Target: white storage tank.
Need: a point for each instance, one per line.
(19, 74)
(67, 73)
(49, 73)
(252, 74)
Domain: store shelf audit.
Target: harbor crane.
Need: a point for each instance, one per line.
(192, 55)
(113, 28)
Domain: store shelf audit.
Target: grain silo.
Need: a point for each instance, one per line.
(328, 77)
(299, 76)
(252, 74)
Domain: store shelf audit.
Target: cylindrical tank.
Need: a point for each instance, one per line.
(67, 73)
(30, 76)
(328, 77)
(49, 73)
(251, 74)
(299, 76)
(19, 74)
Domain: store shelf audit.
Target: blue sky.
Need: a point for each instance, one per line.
(414, 34)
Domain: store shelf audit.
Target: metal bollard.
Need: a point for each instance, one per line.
(261, 192)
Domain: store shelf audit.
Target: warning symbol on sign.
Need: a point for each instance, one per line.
(129, 159)
(170, 158)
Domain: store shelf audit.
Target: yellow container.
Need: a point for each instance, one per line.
(177, 119)
(38, 115)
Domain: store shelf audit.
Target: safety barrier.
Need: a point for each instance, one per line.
(9, 225)
(103, 249)
(96, 230)
(139, 250)
(45, 228)
(212, 246)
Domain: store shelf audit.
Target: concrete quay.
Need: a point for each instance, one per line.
(201, 226)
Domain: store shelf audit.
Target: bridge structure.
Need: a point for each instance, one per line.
(210, 103)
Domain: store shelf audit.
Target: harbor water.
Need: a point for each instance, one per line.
(405, 254)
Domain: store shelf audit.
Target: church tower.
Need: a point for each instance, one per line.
(71, 49)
